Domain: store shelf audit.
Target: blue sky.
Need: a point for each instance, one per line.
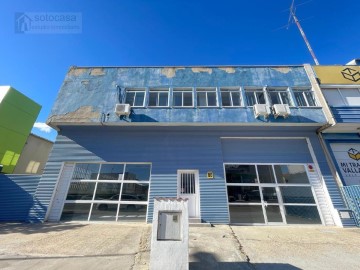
(139, 32)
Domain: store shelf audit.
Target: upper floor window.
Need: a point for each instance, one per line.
(304, 97)
(279, 96)
(256, 96)
(159, 97)
(206, 97)
(230, 97)
(135, 97)
(342, 97)
(183, 97)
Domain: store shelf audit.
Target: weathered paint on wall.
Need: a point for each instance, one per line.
(89, 95)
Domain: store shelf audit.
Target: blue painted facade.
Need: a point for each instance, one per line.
(173, 139)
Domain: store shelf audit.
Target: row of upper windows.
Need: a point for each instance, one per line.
(229, 97)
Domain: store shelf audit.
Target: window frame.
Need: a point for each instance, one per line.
(279, 90)
(339, 91)
(182, 90)
(158, 91)
(135, 90)
(254, 91)
(207, 90)
(303, 91)
(231, 90)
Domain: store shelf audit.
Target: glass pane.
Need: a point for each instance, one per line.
(310, 98)
(266, 174)
(85, 171)
(132, 212)
(333, 97)
(188, 99)
(81, 191)
(269, 194)
(104, 212)
(140, 172)
(177, 99)
(297, 195)
(75, 211)
(139, 99)
(302, 214)
(107, 191)
(153, 98)
(236, 98)
(246, 214)
(291, 174)
(225, 98)
(211, 98)
(274, 97)
(111, 172)
(351, 96)
(135, 192)
(240, 174)
(273, 213)
(201, 99)
(250, 98)
(130, 96)
(285, 98)
(300, 100)
(243, 194)
(163, 99)
(261, 97)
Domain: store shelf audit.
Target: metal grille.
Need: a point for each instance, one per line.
(187, 183)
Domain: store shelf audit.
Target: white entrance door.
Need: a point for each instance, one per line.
(188, 188)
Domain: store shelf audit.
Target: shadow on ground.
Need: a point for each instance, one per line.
(207, 261)
(28, 228)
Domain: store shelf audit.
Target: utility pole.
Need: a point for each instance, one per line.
(292, 15)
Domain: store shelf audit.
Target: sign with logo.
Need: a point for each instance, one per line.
(338, 74)
(347, 157)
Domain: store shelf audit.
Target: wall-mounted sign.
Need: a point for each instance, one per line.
(338, 74)
(347, 157)
(210, 175)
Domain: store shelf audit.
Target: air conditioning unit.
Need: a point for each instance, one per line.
(122, 109)
(261, 110)
(281, 110)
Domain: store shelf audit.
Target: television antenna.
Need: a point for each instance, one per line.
(293, 18)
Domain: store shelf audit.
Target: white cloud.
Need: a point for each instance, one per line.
(43, 127)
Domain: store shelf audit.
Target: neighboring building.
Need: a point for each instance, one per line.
(239, 142)
(33, 156)
(17, 116)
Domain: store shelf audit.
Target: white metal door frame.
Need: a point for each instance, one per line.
(196, 196)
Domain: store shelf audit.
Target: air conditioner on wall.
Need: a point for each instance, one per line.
(261, 110)
(122, 109)
(281, 110)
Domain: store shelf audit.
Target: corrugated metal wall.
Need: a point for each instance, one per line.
(168, 149)
(346, 114)
(16, 196)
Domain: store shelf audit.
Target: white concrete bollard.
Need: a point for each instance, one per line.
(170, 235)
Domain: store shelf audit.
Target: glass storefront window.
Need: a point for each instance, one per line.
(269, 194)
(243, 194)
(107, 191)
(302, 215)
(291, 174)
(75, 211)
(111, 172)
(139, 172)
(246, 214)
(135, 192)
(297, 195)
(81, 191)
(104, 212)
(85, 171)
(266, 174)
(132, 212)
(273, 213)
(240, 174)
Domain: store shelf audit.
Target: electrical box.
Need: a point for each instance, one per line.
(169, 227)
(122, 109)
